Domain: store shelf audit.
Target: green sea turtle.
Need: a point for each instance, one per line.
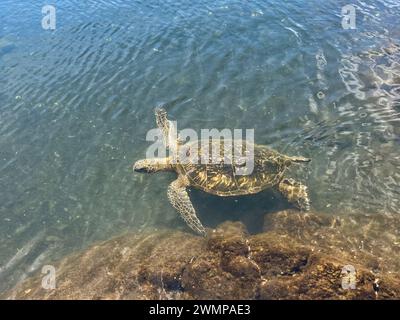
(220, 178)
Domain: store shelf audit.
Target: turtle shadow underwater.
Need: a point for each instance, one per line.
(248, 209)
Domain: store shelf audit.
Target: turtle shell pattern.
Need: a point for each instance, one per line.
(223, 175)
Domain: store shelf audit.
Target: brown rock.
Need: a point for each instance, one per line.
(299, 256)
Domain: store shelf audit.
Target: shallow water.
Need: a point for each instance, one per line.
(76, 104)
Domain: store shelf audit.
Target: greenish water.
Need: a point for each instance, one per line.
(76, 104)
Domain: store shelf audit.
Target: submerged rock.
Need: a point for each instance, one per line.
(298, 256)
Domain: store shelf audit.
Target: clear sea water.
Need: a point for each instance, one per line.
(76, 104)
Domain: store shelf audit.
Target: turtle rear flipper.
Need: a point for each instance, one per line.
(179, 198)
(296, 193)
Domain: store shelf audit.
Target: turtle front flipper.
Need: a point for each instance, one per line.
(296, 193)
(179, 198)
(163, 124)
(167, 128)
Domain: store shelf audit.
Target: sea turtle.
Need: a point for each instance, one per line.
(220, 178)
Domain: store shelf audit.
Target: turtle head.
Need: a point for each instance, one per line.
(141, 166)
(152, 165)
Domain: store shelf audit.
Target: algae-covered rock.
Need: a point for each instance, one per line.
(298, 256)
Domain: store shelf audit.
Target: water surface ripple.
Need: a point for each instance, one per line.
(76, 104)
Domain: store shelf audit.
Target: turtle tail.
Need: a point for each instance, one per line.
(300, 159)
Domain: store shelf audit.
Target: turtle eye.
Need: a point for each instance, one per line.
(188, 153)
